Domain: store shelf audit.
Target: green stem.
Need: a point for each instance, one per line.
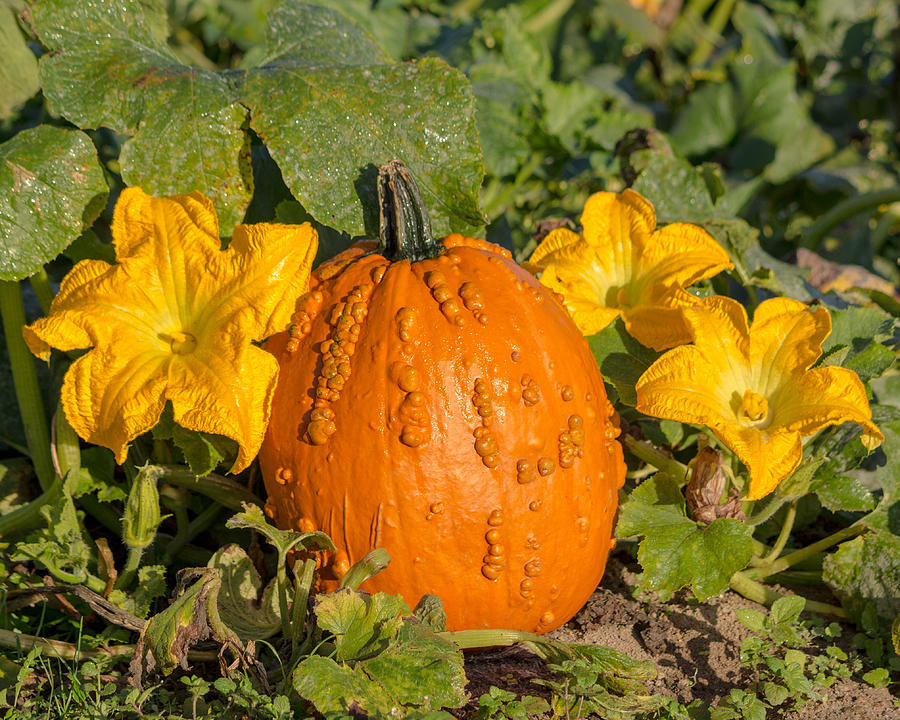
(28, 516)
(281, 586)
(66, 448)
(816, 232)
(797, 577)
(547, 15)
(758, 592)
(470, 639)
(132, 563)
(68, 651)
(768, 510)
(650, 455)
(101, 512)
(28, 392)
(223, 490)
(191, 530)
(797, 556)
(303, 581)
(40, 283)
(717, 22)
(882, 232)
(783, 536)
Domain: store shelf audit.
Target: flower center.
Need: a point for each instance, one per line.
(754, 407)
(182, 342)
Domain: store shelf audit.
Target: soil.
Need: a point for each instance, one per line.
(694, 646)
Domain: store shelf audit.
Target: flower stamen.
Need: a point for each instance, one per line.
(754, 407)
(182, 343)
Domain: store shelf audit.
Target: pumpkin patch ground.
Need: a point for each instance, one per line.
(449, 359)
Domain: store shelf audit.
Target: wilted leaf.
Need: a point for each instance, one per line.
(430, 612)
(372, 564)
(192, 617)
(247, 608)
(51, 189)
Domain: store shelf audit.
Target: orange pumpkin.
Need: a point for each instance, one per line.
(435, 400)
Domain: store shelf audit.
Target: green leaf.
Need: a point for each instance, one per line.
(331, 107)
(335, 689)
(61, 546)
(751, 619)
(786, 610)
(676, 552)
(674, 186)
(865, 574)
(150, 586)
(621, 358)
(420, 668)
(203, 452)
(327, 101)
(430, 612)
(97, 474)
(186, 123)
(383, 665)
(843, 493)
(283, 540)
(19, 78)
(878, 677)
(247, 608)
(51, 189)
(708, 121)
(363, 625)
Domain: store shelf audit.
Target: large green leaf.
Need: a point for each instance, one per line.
(111, 67)
(327, 100)
(19, 78)
(331, 107)
(51, 189)
(865, 574)
(675, 551)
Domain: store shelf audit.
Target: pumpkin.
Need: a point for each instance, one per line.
(435, 400)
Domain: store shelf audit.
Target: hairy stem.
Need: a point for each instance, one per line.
(752, 590)
(28, 392)
(40, 283)
(797, 556)
(783, 536)
(768, 510)
(223, 490)
(842, 212)
(650, 455)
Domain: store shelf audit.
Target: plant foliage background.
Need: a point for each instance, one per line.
(772, 124)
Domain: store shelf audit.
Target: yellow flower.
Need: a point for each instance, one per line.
(623, 266)
(754, 387)
(174, 320)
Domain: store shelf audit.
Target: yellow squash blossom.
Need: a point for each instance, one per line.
(175, 320)
(753, 387)
(623, 265)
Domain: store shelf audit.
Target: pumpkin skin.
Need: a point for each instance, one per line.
(449, 411)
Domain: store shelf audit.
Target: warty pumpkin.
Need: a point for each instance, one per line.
(435, 400)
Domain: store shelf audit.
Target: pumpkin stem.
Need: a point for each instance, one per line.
(405, 228)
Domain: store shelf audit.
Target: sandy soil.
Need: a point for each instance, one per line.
(695, 648)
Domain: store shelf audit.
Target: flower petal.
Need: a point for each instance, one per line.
(254, 284)
(619, 220)
(786, 337)
(660, 326)
(718, 326)
(680, 254)
(225, 391)
(555, 240)
(824, 396)
(110, 397)
(683, 385)
(769, 456)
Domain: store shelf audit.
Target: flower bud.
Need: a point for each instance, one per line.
(142, 516)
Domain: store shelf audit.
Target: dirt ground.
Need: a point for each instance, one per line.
(695, 648)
